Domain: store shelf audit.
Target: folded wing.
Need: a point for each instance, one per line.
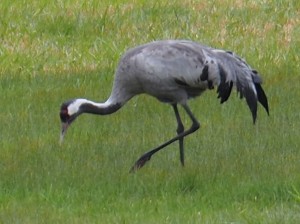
(225, 69)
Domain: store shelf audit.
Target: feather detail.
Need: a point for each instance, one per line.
(233, 71)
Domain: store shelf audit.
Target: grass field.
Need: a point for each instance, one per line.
(235, 172)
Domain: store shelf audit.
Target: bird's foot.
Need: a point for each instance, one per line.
(140, 162)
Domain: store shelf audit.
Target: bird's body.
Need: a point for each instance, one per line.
(158, 68)
(174, 71)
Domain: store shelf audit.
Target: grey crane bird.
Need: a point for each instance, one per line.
(173, 71)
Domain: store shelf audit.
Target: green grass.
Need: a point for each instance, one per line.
(235, 172)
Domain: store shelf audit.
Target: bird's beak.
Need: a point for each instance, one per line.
(64, 127)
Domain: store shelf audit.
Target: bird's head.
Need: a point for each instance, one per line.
(69, 111)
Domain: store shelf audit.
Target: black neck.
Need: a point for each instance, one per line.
(100, 108)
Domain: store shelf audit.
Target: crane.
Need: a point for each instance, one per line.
(173, 71)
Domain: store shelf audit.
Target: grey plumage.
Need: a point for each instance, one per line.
(173, 71)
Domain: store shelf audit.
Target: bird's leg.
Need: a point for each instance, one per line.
(180, 129)
(147, 156)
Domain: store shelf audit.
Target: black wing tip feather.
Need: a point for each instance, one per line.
(224, 88)
(262, 98)
(252, 103)
(224, 91)
(261, 95)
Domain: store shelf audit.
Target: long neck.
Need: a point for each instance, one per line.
(99, 108)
